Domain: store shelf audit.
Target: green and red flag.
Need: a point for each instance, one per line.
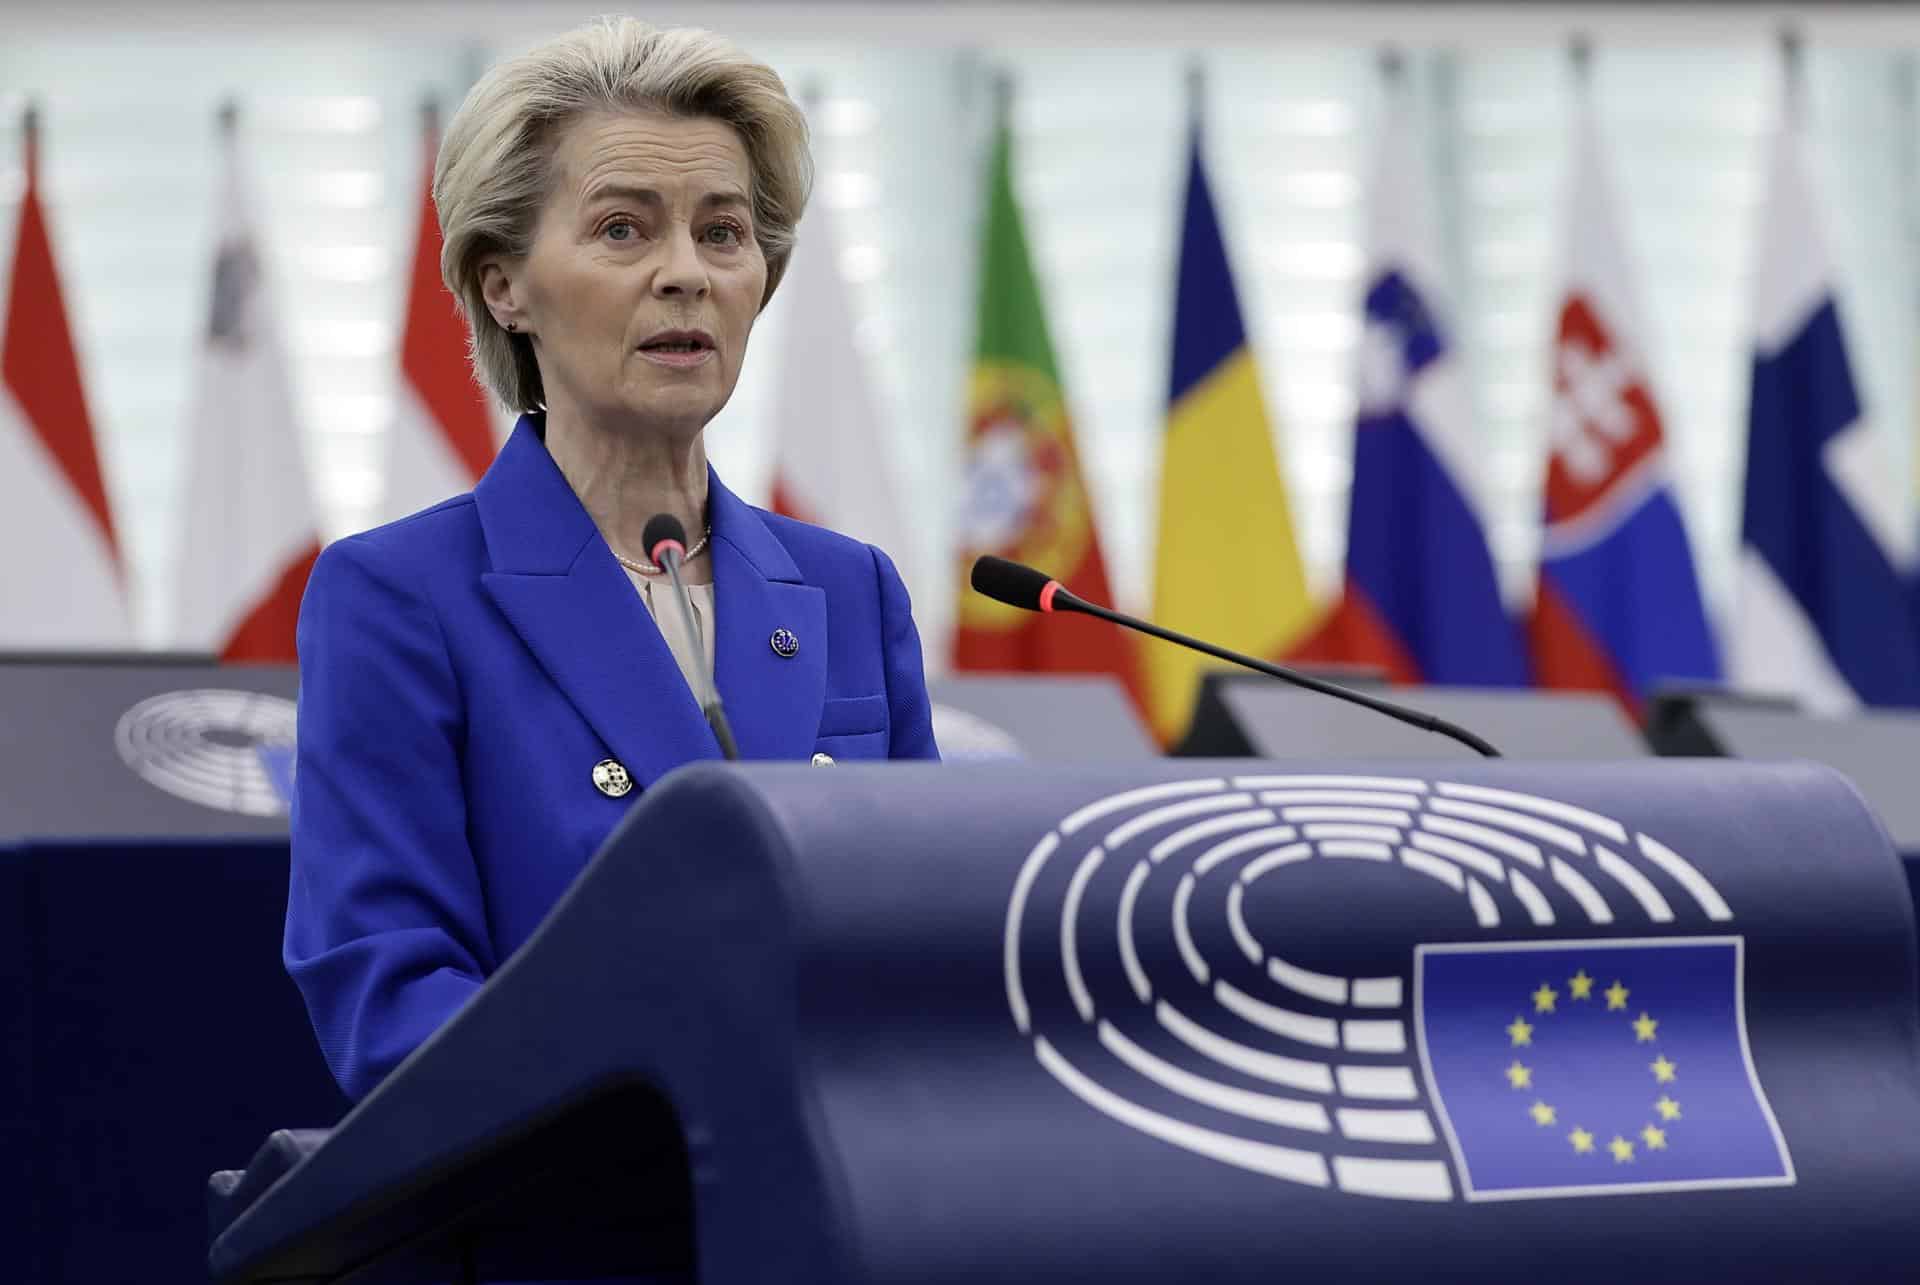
(1025, 496)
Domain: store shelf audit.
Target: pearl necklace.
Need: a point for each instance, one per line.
(649, 569)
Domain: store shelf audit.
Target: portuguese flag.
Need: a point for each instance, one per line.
(1025, 497)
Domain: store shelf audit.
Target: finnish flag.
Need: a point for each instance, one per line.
(1821, 610)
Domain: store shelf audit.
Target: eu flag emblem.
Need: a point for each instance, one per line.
(277, 762)
(1583, 1068)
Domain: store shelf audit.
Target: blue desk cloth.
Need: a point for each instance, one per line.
(148, 1036)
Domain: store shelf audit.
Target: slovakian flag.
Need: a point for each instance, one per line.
(1421, 600)
(1026, 498)
(1226, 567)
(831, 462)
(1821, 611)
(63, 584)
(251, 530)
(441, 440)
(1618, 607)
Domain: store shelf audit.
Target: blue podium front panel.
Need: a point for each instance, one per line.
(1218, 1021)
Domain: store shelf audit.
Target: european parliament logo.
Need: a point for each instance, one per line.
(1505, 1060)
(224, 749)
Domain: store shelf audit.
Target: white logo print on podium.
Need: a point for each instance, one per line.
(213, 746)
(1353, 1103)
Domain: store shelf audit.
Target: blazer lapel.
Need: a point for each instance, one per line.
(557, 583)
(773, 701)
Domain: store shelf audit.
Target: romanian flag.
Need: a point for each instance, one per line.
(1025, 497)
(1227, 568)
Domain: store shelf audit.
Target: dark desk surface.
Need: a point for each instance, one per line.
(148, 1036)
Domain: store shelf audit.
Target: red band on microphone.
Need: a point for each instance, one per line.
(1046, 595)
(657, 554)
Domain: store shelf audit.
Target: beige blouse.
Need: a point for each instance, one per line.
(657, 593)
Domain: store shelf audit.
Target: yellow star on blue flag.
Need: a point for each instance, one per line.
(1618, 1075)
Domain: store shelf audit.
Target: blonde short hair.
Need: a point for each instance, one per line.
(494, 169)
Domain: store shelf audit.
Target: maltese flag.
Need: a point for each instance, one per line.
(62, 584)
(831, 465)
(442, 439)
(251, 531)
(1618, 608)
(1421, 602)
(1821, 609)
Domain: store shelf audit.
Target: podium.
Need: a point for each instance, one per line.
(1200, 1020)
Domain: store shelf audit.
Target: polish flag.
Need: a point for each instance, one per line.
(442, 439)
(251, 530)
(831, 462)
(63, 584)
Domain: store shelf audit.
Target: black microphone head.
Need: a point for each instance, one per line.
(663, 528)
(1011, 583)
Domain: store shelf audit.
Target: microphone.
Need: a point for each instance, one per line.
(1031, 590)
(666, 544)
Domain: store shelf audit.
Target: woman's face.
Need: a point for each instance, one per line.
(645, 274)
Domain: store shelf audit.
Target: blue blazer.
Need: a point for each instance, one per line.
(463, 670)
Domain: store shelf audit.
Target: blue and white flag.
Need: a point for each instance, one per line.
(1822, 610)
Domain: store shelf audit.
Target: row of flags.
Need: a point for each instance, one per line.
(250, 527)
(1826, 607)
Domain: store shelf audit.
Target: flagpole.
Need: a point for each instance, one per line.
(1793, 62)
(1580, 58)
(1907, 107)
(1003, 91)
(30, 142)
(1393, 68)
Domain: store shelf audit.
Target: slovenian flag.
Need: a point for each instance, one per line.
(1618, 608)
(1822, 609)
(1421, 601)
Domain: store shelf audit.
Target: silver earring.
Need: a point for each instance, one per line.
(513, 325)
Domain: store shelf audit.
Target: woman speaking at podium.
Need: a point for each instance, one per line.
(487, 686)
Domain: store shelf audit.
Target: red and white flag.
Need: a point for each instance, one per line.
(62, 583)
(251, 530)
(831, 464)
(441, 440)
